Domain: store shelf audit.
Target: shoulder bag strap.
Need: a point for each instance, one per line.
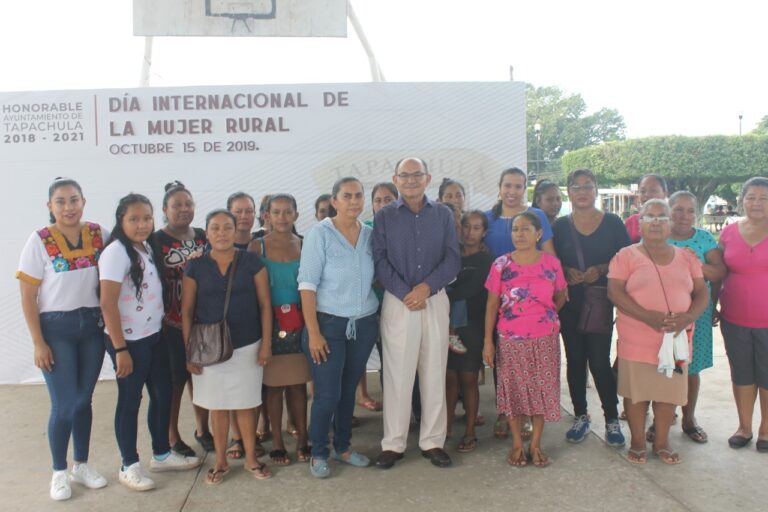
(576, 243)
(232, 269)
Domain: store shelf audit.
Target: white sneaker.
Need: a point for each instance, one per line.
(134, 478)
(455, 344)
(60, 488)
(86, 475)
(174, 462)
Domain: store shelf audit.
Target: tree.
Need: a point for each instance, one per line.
(697, 164)
(565, 126)
(761, 128)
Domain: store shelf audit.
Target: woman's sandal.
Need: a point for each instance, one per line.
(637, 456)
(517, 457)
(650, 434)
(216, 476)
(303, 454)
(259, 472)
(696, 433)
(467, 444)
(539, 458)
(527, 431)
(280, 457)
(258, 449)
(668, 456)
(501, 429)
(235, 449)
(370, 404)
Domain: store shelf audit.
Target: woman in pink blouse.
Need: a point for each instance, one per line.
(657, 289)
(526, 288)
(744, 310)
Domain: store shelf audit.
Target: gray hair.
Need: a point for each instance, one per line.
(653, 202)
(757, 181)
(679, 194)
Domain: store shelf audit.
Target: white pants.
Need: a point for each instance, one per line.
(414, 341)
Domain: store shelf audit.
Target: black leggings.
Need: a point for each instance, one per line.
(593, 349)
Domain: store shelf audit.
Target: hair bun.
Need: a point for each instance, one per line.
(173, 184)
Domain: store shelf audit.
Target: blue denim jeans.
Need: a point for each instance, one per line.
(151, 368)
(336, 380)
(77, 344)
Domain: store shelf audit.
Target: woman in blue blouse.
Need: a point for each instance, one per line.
(335, 280)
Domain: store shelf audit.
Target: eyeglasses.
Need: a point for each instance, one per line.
(416, 176)
(651, 219)
(579, 188)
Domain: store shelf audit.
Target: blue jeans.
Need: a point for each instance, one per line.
(77, 344)
(150, 367)
(336, 380)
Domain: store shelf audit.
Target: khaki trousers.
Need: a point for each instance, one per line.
(414, 342)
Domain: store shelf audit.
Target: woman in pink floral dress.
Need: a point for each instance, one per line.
(526, 288)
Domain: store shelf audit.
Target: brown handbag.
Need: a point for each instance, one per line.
(596, 315)
(211, 344)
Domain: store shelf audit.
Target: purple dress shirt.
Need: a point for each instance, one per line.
(412, 248)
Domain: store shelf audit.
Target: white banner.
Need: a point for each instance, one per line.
(218, 140)
(277, 18)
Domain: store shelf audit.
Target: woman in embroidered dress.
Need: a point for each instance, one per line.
(526, 288)
(58, 279)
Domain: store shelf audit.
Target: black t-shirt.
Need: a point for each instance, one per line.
(244, 316)
(470, 286)
(598, 248)
(174, 254)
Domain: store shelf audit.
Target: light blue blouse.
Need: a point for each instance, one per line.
(340, 274)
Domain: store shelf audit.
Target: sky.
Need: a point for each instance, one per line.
(669, 67)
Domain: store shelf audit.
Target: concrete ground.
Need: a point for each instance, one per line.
(590, 476)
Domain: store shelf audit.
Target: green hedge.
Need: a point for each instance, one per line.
(712, 159)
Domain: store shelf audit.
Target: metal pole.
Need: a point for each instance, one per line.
(740, 117)
(147, 63)
(376, 73)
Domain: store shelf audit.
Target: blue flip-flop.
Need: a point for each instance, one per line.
(355, 458)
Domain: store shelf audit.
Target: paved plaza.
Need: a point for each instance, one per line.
(591, 476)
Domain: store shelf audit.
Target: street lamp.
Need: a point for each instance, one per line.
(740, 117)
(537, 131)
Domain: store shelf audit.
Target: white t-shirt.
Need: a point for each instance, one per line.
(67, 278)
(139, 318)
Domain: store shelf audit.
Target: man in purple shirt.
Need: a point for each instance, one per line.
(416, 253)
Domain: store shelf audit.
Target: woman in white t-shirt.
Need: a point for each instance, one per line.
(132, 305)
(58, 279)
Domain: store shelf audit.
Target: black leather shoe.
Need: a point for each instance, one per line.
(437, 457)
(387, 459)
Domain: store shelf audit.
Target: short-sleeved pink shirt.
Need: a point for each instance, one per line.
(744, 297)
(637, 341)
(527, 308)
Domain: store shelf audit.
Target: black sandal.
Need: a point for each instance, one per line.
(235, 449)
(280, 457)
